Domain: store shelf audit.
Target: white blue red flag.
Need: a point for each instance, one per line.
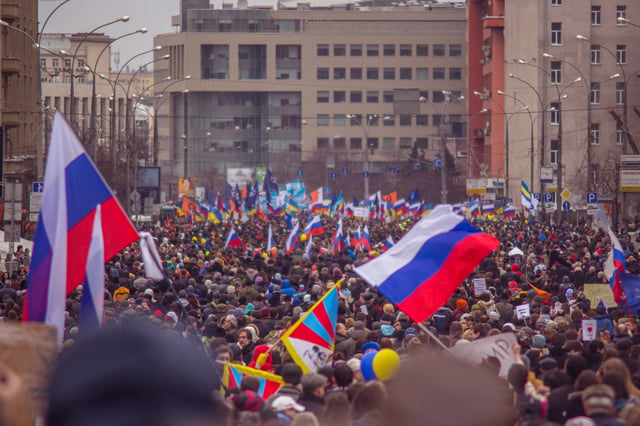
(233, 239)
(615, 264)
(365, 242)
(74, 190)
(425, 267)
(338, 243)
(270, 242)
(292, 239)
(314, 227)
(388, 243)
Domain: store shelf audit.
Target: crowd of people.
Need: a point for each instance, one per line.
(233, 303)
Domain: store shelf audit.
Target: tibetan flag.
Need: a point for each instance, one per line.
(62, 249)
(292, 240)
(365, 242)
(268, 383)
(310, 341)
(388, 243)
(425, 267)
(509, 211)
(615, 264)
(233, 240)
(270, 241)
(338, 241)
(314, 227)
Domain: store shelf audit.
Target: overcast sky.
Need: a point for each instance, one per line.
(85, 15)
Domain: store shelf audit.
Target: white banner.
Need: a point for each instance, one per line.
(240, 176)
(499, 346)
(361, 211)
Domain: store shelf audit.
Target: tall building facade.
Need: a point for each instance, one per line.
(559, 79)
(325, 92)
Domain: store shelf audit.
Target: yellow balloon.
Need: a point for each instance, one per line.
(303, 238)
(385, 364)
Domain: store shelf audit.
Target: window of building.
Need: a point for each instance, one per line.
(322, 50)
(424, 96)
(80, 64)
(355, 73)
(422, 50)
(356, 49)
(422, 143)
(619, 134)
(455, 73)
(595, 15)
(553, 151)
(455, 50)
(438, 73)
(595, 54)
(339, 143)
(372, 143)
(387, 96)
(322, 74)
(355, 96)
(322, 97)
(323, 120)
(595, 133)
(555, 113)
(437, 120)
(389, 50)
(43, 63)
(67, 64)
(322, 143)
(439, 50)
(339, 96)
(621, 54)
(405, 73)
(372, 119)
(372, 73)
(621, 15)
(405, 120)
(339, 73)
(406, 143)
(389, 73)
(556, 72)
(422, 120)
(55, 63)
(355, 143)
(556, 2)
(389, 120)
(422, 73)
(556, 33)
(406, 49)
(438, 97)
(339, 120)
(595, 93)
(372, 49)
(355, 119)
(339, 50)
(372, 96)
(389, 144)
(620, 93)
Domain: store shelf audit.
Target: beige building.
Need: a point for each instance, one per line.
(575, 65)
(322, 90)
(19, 108)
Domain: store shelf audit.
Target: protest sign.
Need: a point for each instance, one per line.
(595, 292)
(499, 346)
(523, 311)
(589, 327)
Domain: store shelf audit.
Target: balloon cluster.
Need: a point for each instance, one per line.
(379, 365)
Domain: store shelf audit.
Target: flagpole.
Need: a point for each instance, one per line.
(433, 336)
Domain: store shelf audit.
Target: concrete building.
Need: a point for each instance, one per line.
(568, 70)
(19, 108)
(322, 89)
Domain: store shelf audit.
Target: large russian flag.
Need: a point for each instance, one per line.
(424, 268)
(615, 264)
(73, 191)
(314, 227)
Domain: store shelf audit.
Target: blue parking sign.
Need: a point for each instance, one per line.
(537, 196)
(549, 197)
(592, 198)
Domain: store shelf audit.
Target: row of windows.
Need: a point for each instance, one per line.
(373, 96)
(340, 120)
(55, 63)
(621, 49)
(388, 144)
(594, 134)
(357, 73)
(596, 15)
(389, 50)
(594, 97)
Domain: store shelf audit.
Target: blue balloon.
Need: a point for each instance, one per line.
(366, 366)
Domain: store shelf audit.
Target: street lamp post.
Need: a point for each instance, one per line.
(72, 101)
(365, 130)
(470, 140)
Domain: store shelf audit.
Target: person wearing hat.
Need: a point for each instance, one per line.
(313, 389)
(598, 402)
(286, 409)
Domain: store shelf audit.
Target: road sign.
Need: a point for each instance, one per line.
(437, 162)
(549, 197)
(345, 171)
(13, 191)
(365, 174)
(417, 165)
(12, 233)
(565, 194)
(299, 173)
(37, 187)
(35, 202)
(592, 198)
(12, 211)
(566, 206)
(333, 175)
(537, 196)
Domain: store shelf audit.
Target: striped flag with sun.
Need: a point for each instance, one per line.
(310, 341)
(269, 383)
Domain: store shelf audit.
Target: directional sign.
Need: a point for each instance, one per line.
(417, 165)
(437, 162)
(365, 174)
(37, 187)
(333, 175)
(592, 198)
(566, 206)
(345, 171)
(300, 173)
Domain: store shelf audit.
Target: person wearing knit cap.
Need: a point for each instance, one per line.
(461, 309)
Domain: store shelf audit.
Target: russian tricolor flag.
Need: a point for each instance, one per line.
(615, 263)
(292, 239)
(338, 243)
(388, 243)
(67, 240)
(424, 268)
(365, 242)
(314, 227)
(233, 240)
(270, 241)
(509, 211)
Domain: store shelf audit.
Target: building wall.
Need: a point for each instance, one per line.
(312, 133)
